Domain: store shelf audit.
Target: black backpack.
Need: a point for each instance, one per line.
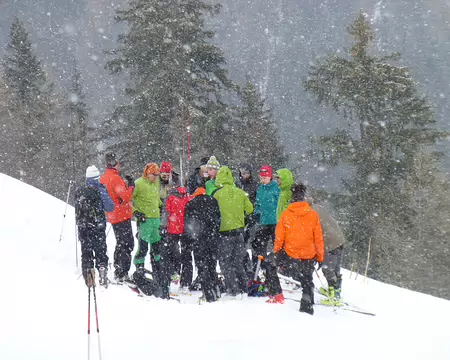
(87, 203)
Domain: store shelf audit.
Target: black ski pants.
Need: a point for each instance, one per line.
(300, 270)
(230, 254)
(249, 233)
(264, 234)
(93, 247)
(124, 247)
(205, 253)
(170, 254)
(186, 261)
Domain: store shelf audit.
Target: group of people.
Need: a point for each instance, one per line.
(212, 220)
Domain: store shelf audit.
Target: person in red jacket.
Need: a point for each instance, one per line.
(120, 218)
(299, 244)
(175, 205)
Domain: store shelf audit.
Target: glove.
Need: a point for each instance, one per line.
(163, 231)
(140, 216)
(270, 258)
(257, 218)
(130, 181)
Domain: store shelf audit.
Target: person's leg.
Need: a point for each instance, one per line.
(337, 269)
(224, 254)
(87, 257)
(238, 254)
(186, 261)
(124, 247)
(158, 264)
(257, 246)
(247, 260)
(171, 253)
(305, 272)
(143, 245)
(209, 273)
(332, 271)
(100, 248)
(328, 268)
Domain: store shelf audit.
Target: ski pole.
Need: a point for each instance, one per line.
(89, 322)
(321, 282)
(65, 211)
(96, 320)
(108, 231)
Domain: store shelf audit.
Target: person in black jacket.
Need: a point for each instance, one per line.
(250, 186)
(91, 202)
(201, 223)
(198, 178)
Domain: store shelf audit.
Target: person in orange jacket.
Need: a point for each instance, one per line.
(299, 244)
(120, 193)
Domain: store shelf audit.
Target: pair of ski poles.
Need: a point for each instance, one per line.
(96, 319)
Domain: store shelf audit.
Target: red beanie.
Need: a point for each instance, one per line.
(166, 167)
(266, 171)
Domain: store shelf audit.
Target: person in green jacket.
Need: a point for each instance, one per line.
(234, 205)
(285, 180)
(146, 209)
(213, 167)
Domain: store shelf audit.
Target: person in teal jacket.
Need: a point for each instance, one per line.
(234, 205)
(266, 212)
(266, 206)
(146, 209)
(285, 180)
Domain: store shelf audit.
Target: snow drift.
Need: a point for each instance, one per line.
(43, 308)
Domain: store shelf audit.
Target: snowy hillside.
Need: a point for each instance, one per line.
(43, 312)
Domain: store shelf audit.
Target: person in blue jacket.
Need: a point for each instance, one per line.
(91, 202)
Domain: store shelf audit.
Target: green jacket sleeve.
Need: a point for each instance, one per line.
(248, 207)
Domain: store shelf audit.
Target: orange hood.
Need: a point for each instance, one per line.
(299, 208)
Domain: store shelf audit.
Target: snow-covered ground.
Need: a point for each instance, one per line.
(43, 308)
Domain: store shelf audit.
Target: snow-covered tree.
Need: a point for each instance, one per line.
(34, 107)
(256, 130)
(387, 123)
(78, 112)
(172, 66)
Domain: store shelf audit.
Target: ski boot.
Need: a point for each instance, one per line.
(324, 291)
(103, 276)
(332, 300)
(276, 299)
(175, 279)
(306, 307)
(89, 277)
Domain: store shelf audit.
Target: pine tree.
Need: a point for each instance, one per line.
(428, 239)
(31, 102)
(172, 66)
(256, 131)
(34, 107)
(78, 113)
(10, 133)
(387, 123)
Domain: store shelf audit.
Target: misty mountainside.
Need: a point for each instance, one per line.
(271, 42)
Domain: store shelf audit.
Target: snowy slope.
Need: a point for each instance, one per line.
(43, 308)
